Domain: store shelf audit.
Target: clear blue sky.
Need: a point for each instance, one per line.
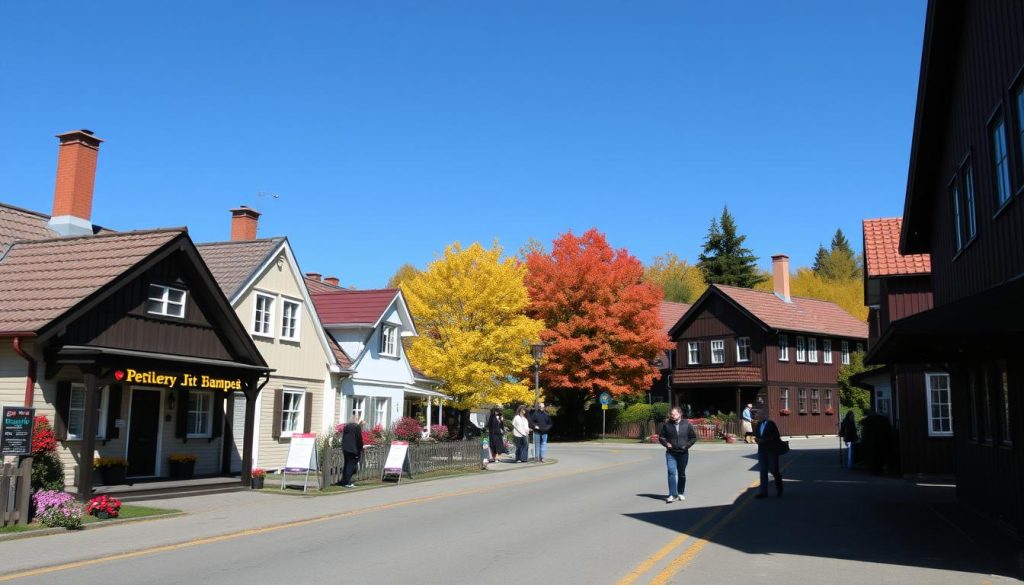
(392, 128)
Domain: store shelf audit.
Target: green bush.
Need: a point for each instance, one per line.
(659, 410)
(47, 472)
(636, 413)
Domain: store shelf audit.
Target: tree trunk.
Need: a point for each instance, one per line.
(571, 403)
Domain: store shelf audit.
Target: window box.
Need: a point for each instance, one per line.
(785, 412)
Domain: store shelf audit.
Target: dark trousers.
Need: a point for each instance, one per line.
(351, 463)
(522, 449)
(769, 462)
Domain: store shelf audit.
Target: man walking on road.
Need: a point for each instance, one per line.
(677, 436)
(352, 447)
(540, 423)
(769, 447)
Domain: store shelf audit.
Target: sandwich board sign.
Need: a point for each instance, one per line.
(396, 462)
(301, 458)
(18, 423)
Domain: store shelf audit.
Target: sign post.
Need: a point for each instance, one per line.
(395, 462)
(605, 398)
(301, 458)
(17, 431)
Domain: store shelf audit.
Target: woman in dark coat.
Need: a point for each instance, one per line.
(496, 433)
(848, 431)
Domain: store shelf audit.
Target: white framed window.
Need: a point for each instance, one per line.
(693, 352)
(826, 351)
(812, 350)
(801, 399)
(357, 409)
(940, 412)
(380, 411)
(828, 399)
(844, 349)
(801, 349)
(200, 414)
(743, 349)
(1000, 161)
(815, 400)
(291, 315)
(784, 398)
(263, 315)
(783, 347)
(76, 413)
(166, 301)
(718, 351)
(292, 411)
(389, 340)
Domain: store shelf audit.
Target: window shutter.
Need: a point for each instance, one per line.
(60, 419)
(181, 415)
(307, 412)
(218, 415)
(278, 404)
(113, 411)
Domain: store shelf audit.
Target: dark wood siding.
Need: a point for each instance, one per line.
(904, 296)
(796, 424)
(919, 452)
(794, 372)
(719, 320)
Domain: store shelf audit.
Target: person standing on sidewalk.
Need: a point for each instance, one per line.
(496, 433)
(848, 431)
(521, 434)
(748, 425)
(540, 423)
(677, 436)
(769, 447)
(352, 447)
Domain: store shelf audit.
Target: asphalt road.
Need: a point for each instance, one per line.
(596, 516)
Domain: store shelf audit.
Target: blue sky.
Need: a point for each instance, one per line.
(392, 128)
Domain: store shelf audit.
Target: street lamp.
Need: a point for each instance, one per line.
(537, 349)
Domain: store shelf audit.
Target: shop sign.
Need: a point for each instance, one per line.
(176, 380)
(18, 423)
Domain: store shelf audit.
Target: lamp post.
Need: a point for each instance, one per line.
(537, 349)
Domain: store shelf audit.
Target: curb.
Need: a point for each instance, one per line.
(90, 526)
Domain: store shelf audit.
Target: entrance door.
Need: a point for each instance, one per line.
(237, 431)
(144, 432)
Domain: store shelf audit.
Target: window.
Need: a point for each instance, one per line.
(812, 350)
(166, 301)
(76, 413)
(264, 315)
(826, 351)
(693, 352)
(954, 201)
(1020, 120)
(380, 412)
(801, 399)
(290, 316)
(844, 349)
(828, 399)
(717, 351)
(389, 340)
(784, 398)
(999, 160)
(291, 412)
(860, 348)
(743, 349)
(940, 415)
(358, 410)
(972, 219)
(815, 400)
(783, 347)
(1003, 390)
(801, 349)
(200, 414)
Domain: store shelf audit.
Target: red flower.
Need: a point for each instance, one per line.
(43, 439)
(104, 504)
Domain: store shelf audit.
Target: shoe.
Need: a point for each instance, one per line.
(670, 499)
(542, 460)
(680, 498)
(761, 496)
(349, 485)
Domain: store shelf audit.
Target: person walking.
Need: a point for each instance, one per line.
(769, 447)
(540, 423)
(748, 425)
(352, 447)
(521, 435)
(848, 432)
(677, 436)
(496, 433)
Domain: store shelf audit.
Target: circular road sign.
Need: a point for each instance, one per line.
(605, 397)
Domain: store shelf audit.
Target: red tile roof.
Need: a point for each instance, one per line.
(882, 250)
(671, 313)
(800, 315)
(717, 375)
(353, 307)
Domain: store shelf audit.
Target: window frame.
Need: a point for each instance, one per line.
(267, 312)
(826, 351)
(746, 346)
(801, 349)
(784, 398)
(801, 400)
(812, 350)
(721, 349)
(783, 341)
(929, 404)
(692, 347)
(998, 122)
(954, 200)
(299, 413)
(189, 434)
(297, 324)
(101, 423)
(844, 350)
(1018, 97)
(381, 409)
(352, 410)
(1003, 403)
(970, 199)
(828, 399)
(815, 401)
(389, 337)
(165, 300)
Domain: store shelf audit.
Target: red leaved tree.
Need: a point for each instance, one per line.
(601, 321)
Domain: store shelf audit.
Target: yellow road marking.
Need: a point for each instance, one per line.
(653, 559)
(295, 524)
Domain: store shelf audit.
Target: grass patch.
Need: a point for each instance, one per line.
(17, 528)
(130, 511)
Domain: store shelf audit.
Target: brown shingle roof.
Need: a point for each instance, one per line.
(22, 224)
(882, 250)
(233, 263)
(353, 307)
(319, 286)
(717, 375)
(41, 280)
(801, 315)
(671, 313)
(339, 354)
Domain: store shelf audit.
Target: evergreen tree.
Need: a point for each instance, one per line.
(725, 260)
(821, 259)
(838, 263)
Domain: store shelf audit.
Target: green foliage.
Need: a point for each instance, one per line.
(681, 282)
(838, 263)
(636, 413)
(725, 260)
(47, 472)
(851, 396)
(659, 410)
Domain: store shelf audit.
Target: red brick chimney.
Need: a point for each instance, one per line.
(244, 221)
(76, 177)
(313, 276)
(331, 280)
(780, 276)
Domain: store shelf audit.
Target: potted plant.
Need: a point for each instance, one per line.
(829, 411)
(111, 469)
(104, 507)
(257, 476)
(784, 412)
(183, 465)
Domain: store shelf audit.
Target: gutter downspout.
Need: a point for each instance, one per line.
(30, 376)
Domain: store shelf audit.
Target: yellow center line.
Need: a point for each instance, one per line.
(297, 523)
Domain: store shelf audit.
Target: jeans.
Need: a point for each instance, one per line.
(849, 455)
(676, 462)
(540, 445)
(522, 448)
(769, 462)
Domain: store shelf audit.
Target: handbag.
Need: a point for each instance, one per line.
(783, 447)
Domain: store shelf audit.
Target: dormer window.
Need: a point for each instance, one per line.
(389, 340)
(166, 301)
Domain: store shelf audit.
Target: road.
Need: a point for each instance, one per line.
(598, 515)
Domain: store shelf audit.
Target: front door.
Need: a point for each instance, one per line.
(237, 431)
(143, 432)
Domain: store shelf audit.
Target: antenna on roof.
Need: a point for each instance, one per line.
(267, 194)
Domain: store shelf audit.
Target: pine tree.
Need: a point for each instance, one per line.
(725, 260)
(838, 263)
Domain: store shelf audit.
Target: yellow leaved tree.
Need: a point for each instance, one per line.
(470, 309)
(847, 293)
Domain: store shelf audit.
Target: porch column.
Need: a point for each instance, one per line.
(430, 413)
(739, 401)
(248, 440)
(440, 413)
(89, 426)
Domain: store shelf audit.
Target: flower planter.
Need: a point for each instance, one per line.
(183, 469)
(256, 483)
(112, 475)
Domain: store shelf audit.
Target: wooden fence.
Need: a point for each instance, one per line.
(423, 458)
(705, 431)
(15, 490)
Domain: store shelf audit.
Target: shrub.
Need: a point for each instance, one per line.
(257, 472)
(101, 506)
(636, 413)
(46, 499)
(67, 515)
(659, 410)
(408, 429)
(43, 438)
(439, 432)
(47, 469)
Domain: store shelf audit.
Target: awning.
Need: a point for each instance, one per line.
(425, 393)
(986, 324)
(81, 353)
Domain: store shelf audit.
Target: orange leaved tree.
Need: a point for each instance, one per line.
(601, 322)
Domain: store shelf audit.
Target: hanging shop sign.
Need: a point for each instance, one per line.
(176, 380)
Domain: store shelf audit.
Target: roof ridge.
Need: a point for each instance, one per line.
(182, 230)
(25, 210)
(227, 242)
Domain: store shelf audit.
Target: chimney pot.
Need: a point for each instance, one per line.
(244, 223)
(331, 280)
(76, 178)
(780, 277)
(313, 276)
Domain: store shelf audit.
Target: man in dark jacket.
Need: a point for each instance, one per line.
(769, 447)
(677, 436)
(352, 447)
(540, 424)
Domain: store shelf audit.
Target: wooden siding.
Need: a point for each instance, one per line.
(719, 320)
(903, 297)
(796, 424)
(793, 372)
(919, 452)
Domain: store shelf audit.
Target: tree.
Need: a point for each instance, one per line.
(470, 307)
(679, 281)
(837, 263)
(404, 273)
(852, 396)
(724, 259)
(601, 321)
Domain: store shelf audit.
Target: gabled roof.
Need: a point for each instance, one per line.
(23, 224)
(319, 286)
(802, 315)
(671, 313)
(353, 307)
(339, 354)
(233, 263)
(882, 250)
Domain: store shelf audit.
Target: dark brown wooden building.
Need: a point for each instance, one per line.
(781, 353)
(661, 388)
(964, 206)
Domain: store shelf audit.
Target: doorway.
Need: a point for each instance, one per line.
(237, 432)
(144, 432)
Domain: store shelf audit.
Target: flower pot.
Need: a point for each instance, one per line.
(256, 483)
(114, 475)
(182, 469)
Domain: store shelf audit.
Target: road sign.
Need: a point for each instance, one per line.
(604, 407)
(17, 430)
(605, 398)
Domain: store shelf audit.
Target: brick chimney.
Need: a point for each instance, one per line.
(780, 276)
(76, 177)
(331, 280)
(313, 276)
(244, 221)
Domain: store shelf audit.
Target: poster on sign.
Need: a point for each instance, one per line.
(17, 426)
(396, 462)
(301, 458)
